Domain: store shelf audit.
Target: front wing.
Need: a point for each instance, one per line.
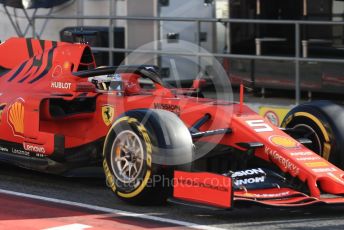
(214, 190)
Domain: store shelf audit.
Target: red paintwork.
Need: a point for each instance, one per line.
(207, 188)
(79, 129)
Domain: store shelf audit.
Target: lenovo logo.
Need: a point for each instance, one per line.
(34, 148)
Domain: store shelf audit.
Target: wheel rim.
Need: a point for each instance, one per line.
(311, 134)
(127, 156)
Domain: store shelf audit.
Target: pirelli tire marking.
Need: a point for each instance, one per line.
(110, 181)
(110, 178)
(326, 150)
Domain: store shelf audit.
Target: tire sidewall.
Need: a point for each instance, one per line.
(315, 115)
(135, 188)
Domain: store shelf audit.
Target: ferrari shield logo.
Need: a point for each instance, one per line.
(108, 114)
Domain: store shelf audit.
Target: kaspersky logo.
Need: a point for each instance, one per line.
(16, 117)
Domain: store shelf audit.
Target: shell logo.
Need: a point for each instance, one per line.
(284, 142)
(16, 117)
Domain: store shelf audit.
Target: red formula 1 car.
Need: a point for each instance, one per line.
(60, 113)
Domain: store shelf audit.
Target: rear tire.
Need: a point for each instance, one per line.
(139, 160)
(323, 123)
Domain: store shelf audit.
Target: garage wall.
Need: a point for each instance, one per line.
(91, 7)
(141, 33)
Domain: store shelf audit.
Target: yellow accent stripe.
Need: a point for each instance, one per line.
(326, 151)
(317, 164)
(317, 121)
(139, 189)
(146, 138)
(327, 146)
(109, 177)
(132, 120)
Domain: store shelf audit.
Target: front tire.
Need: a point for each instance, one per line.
(321, 122)
(137, 159)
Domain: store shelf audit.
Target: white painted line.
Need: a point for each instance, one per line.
(111, 211)
(70, 227)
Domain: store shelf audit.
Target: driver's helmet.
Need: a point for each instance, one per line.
(110, 82)
(116, 83)
(125, 82)
(101, 82)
